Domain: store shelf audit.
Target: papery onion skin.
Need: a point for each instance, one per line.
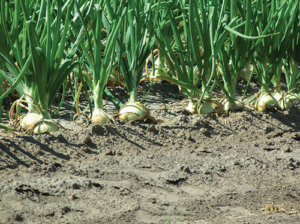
(280, 98)
(209, 107)
(292, 98)
(38, 124)
(191, 107)
(229, 105)
(133, 111)
(99, 117)
(44, 126)
(30, 119)
(285, 101)
(265, 102)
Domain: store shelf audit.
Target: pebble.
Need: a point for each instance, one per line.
(19, 218)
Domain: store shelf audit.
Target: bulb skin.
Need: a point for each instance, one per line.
(265, 102)
(133, 112)
(38, 124)
(99, 117)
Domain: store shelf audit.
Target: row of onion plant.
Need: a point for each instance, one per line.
(33, 49)
(198, 38)
(98, 30)
(282, 18)
(201, 45)
(242, 35)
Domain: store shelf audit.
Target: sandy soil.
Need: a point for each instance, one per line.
(238, 168)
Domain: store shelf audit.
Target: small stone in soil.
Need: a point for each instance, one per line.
(19, 218)
(76, 186)
(65, 210)
(236, 163)
(86, 150)
(186, 169)
(54, 167)
(269, 130)
(191, 139)
(50, 214)
(61, 138)
(268, 148)
(207, 172)
(204, 131)
(287, 149)
(110, 153)
(73, 197)
(40, 152)
(152, 129)
(152, 200)
(222, 169)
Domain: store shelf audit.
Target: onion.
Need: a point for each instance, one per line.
(99, 117)
(191, 107)
(207, 106)
(160, 68)
(30, 119)
(246, 72)
(229, 105)
(288, 100)
(292, 98)
(46, 125)
(38, 124)
(265, 101)
(210, 106)
(133, 111)
(280, 98)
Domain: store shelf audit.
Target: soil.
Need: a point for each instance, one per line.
(237, 168)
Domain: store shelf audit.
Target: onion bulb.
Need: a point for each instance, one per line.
(160, 68)
(285, 101)
(99, 117)
(30, 119)
(38, 124)
(292, 98)
(280, 98)
(191, 107)
(133, 111)
(229, 105)
(246, 72)
(265, 101)
(209, 106)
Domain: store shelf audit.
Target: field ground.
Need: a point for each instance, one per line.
(238, 168)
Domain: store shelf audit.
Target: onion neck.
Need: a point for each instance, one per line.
(1, 92)
(29, 96)
(268, 72)
(98, 97)
(133, 96)
(293, 71)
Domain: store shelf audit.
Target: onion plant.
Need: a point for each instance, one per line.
(277, 16)
(36, 33)
(192, 53)
(236, 54)
(292, 69)
(1, 92)
(135, 45)
(160, 19)
(100, 25)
